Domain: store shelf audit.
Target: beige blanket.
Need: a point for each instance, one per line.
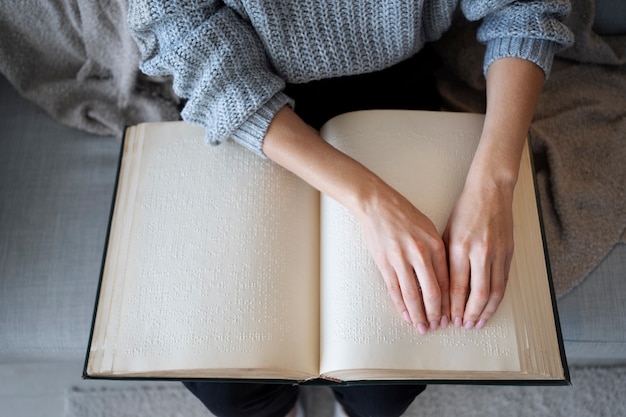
(578, 139)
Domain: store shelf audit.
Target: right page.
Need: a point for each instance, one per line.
(425, 156)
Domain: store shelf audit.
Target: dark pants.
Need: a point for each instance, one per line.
(408, 85)
(275, 400)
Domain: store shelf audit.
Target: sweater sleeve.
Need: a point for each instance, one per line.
(218, 65)
(527, 29)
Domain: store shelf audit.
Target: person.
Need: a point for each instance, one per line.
(236, 61)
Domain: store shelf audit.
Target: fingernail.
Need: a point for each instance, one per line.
(458, 322)
(469, 324)
(434, 325)
(444, 322)
(407, 318)
(481, 323)
(421, 327)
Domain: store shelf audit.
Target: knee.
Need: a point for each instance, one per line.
(379, 401)
(244, 399)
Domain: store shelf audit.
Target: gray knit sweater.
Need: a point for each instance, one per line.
(230, 59)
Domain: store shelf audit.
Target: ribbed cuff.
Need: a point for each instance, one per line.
(251, 133)
(539, 51)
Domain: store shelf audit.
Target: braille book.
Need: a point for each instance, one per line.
(220, 264)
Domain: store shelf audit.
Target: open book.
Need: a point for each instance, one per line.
(220, 264)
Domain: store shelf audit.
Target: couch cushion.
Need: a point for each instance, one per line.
(593, 315)
(56, 186)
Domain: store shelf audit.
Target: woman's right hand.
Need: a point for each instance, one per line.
(410, 255)
(404, 243)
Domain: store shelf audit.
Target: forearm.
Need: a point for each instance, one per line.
(480, 229)
(299, 148)
(513, 88)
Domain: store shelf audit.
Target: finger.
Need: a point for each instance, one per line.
(459, 285)
(412, 296)
(440, 266)
(430, 265)
(395, 292)
(480, 290)
(430, 294)
(440, 270)
(499, 279)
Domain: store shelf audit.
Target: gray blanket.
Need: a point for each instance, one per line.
(77, 60)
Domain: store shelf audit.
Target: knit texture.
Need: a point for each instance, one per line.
(231, 59)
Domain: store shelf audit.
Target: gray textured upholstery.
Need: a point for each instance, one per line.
(56, 188)
(593, 315)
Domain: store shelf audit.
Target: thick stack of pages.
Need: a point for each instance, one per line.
(220, 264)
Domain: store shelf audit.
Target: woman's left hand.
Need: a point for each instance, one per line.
(479, 234)
(479, 239)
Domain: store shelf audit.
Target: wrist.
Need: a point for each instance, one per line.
(299, 148)
(497, 159)
(367, 195)
(490, 173)
(493, 174)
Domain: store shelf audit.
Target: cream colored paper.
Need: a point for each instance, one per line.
(209, 224)
(361, 328)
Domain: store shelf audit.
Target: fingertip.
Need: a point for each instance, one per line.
(445, 307)
(421, 327)
(406, 317)
(444, 322)
(481, 323)
(458, 314)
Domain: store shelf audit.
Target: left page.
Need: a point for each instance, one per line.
(212, 264)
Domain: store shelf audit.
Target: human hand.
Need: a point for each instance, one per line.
(479, 237)
(479, 234)
(403, 242)
(411, 257)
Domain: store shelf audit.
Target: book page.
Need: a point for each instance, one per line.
(539, 343)
(219, 264)
(425, 157)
